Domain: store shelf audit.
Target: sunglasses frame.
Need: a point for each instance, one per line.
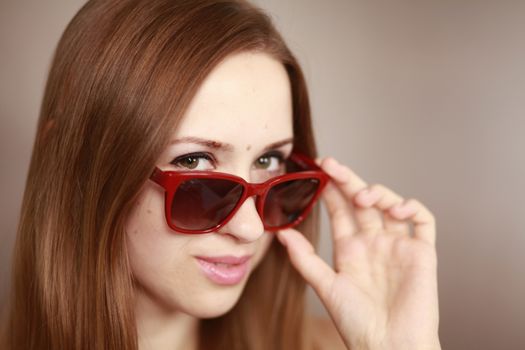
(170, 180)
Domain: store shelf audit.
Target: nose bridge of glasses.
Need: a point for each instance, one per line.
(256, 189)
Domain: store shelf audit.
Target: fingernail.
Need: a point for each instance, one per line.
(403, 208)
(368, 196)
(370, 193)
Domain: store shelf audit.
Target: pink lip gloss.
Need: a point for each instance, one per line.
(224, 270)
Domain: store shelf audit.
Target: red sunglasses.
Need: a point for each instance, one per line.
(204, 201)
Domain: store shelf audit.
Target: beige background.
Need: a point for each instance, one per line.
(426, 97)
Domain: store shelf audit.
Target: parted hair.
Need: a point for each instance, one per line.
(121, 79)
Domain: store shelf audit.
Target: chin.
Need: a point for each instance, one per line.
(215, 304)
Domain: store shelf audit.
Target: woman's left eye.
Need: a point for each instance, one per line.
(270, 162)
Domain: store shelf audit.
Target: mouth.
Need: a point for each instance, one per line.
(224, 270)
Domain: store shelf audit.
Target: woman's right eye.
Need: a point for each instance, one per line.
(194, 161)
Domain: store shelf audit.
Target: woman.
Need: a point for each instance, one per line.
(161, 172)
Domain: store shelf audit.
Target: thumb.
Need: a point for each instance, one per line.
(310, 265)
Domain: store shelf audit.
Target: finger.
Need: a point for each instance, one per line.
(341, 215)
(367, 219)
(342, 222)
(348, 182)
(303, 257)
(424, 223)
(393, 225)
(386, 199)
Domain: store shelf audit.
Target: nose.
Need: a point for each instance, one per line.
(246, 225)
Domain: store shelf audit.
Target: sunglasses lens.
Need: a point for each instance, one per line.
(200, 204)
(286, 201)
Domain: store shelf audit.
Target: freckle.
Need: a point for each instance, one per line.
(149, 211)
(265, 126)
(249, 147)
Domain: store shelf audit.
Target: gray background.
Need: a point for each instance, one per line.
(426, 97)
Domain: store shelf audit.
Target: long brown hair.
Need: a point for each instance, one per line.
(121, 79)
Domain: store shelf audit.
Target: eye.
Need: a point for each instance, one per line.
(194, 161)
(271, 161)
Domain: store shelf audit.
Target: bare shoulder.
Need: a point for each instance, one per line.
(325, 335)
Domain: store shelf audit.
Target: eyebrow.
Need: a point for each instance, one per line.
(225, 146)
(278, 144)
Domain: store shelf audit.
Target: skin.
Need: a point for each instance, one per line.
(231, 107)
(382, 291)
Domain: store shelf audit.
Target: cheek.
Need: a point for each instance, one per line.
(155, 253)
(263, 245)
(147, 231)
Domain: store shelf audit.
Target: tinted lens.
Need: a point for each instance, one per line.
(288, 200)
(200, 204)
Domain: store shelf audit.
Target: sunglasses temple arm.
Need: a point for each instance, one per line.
(305, 161)
(157, 176)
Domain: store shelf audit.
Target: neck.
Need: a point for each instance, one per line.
(160, 328)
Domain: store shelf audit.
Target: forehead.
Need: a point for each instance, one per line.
(245, 101)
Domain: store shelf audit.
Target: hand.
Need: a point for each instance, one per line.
(382, 291)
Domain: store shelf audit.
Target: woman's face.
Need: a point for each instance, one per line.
(239, 122)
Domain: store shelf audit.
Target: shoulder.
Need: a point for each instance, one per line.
(324, 334)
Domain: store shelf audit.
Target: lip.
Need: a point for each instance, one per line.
(226, 259)
(231, 270)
